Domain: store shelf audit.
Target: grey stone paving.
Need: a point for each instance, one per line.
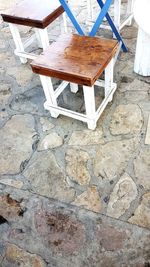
(70, 196)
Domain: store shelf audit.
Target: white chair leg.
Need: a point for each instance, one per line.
(89, 98)
(65, 22)
(89, 9)
(117, 13)
(49, 94)
(38, 37)
(17, 40)
(109, 79)
(130, 10)
(43, 35)
(74, 88)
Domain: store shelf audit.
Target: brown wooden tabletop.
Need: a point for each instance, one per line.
(34, 13)
(74, 58)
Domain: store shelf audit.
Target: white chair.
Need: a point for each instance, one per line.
(117, 13)
(141, 13)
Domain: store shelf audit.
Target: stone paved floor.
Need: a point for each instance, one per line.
(70, 196)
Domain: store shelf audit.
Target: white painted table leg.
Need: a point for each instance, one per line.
(49, 94)
(109, 79)
(142, 56)
(74, 88)
(17, 39)
(43, 35)
(89, 98)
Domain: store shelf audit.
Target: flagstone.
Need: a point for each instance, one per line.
(86, 137)
(142, 168)
(51, 140)
(141, 215)
(127, 119)
(19, 257)
(16, 143)
(89, 199)
(112, 158)
(124, 192)
(77, 166)
(46, 177)
(46, 124)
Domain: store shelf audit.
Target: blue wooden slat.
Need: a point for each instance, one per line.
(71, 17)
(103, 13)
(100, 18)
(113, 27)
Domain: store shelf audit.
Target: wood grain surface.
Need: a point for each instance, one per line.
(77, 59)
(34, 13)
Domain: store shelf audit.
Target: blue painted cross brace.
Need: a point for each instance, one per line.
(103, 13)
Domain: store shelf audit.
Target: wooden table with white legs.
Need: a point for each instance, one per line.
(78, 60)
(36, 14)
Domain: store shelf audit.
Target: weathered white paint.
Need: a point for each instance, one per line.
(17, 40)
(40, 35)
(92, 115)
(42, 38)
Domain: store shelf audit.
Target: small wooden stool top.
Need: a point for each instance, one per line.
(34, 13)
(77, 59)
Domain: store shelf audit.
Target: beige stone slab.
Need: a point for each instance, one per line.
(147, 139)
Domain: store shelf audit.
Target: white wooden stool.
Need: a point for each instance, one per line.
(117, 14)
(37, 14)
(77, 60)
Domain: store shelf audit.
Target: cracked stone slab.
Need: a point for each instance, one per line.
(11, 182)
(142, 168)
(89, 199)
(112, 158)
(142, 213)
(86, 138)
(51, 140)
(46, 177)
(15, 256)
(127, 119)
(147, 138)
(76, 168)
(124, 192)
(16, 143)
